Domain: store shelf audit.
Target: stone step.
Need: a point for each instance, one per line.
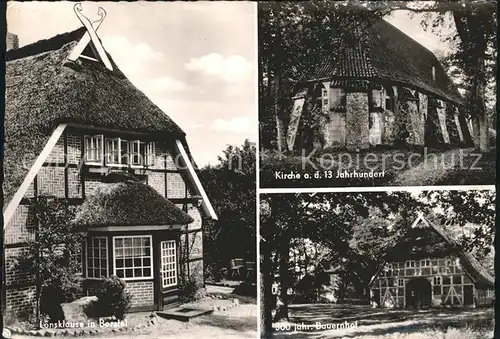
(183, 313)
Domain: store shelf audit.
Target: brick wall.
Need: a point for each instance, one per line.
(357, 120)
(142, 293)
(157, 181)
(51, 181)
(176, 187)
(16, 271)
(194, 212)
(20, 300)
(20, 227)
(74, 143)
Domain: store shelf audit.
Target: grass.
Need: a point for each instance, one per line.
(399, 166)
(372, 323)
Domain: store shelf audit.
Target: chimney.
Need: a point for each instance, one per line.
(12, 41)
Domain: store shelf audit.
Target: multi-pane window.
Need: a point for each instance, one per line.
(324, 97)
(119, 151)
(150, 154)
(113, 153)
(133, 257)
(168, 263)
(134, 152)
(97, 257)
(401, 282)
(425, 262)
(410, 263)
(93, 148)
(437, 280)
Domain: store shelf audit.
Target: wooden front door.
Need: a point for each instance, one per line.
(168, 273)
(468, 295)
(418, 293)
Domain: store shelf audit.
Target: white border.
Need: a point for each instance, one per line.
(376, 189)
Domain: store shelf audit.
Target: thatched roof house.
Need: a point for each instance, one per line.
(73, 125)
(45, 89)
(428, 268)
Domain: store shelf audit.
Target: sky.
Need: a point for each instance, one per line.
(196, 61)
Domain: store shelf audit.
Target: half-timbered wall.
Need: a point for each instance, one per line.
(450, 285)
(376, 117)
(63, 175)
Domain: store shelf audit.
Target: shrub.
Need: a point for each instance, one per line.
(112, 299)
(188, 290)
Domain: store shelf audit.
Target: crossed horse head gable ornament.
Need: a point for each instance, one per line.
(90, 35)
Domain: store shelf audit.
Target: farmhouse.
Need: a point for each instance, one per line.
(429, 269)
(384, 89)
(73, 125)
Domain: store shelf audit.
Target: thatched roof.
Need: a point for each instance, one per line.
(389, 54)
(467, 260)
(128, 203)
(44, 88)
(447, 246)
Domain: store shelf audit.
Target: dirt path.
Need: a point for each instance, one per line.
(434, 168)
(237, 322)
(323, 321)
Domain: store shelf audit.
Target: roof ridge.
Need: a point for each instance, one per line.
(45, 45)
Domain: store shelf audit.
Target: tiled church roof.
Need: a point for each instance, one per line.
(386, 53)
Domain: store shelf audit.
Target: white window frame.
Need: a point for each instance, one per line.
(437, 281)
(150, 153)
(425, 263)
(131, 153)
(133, 267)
(409, 263)
(116, 148)
(174, 270)
(401, 282)
(86, 275)
(325, 98)
(90, 139)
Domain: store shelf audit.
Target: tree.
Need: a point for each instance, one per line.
(51, 257)
(231, 188)
(293, 39)
(474, 56)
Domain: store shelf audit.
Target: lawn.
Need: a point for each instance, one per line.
(334, 321)
(395, 167)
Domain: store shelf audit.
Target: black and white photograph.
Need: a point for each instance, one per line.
(129, 186)
(403, 264)
(377, 93)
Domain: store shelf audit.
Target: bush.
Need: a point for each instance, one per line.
(188, 290)
(112, 299)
